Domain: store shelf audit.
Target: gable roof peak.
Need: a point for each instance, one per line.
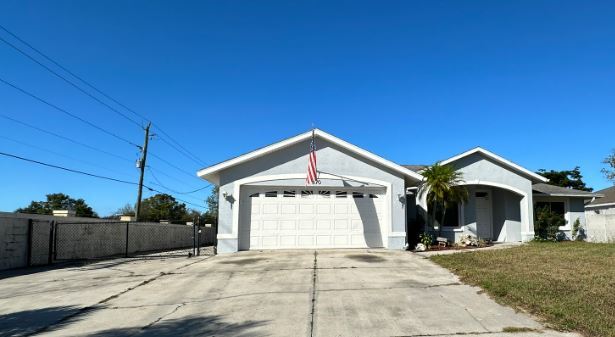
(208, 172)
(535, 177)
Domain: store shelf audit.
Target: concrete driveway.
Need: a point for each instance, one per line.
(289, 293)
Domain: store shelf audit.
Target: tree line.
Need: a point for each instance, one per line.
(155, 208)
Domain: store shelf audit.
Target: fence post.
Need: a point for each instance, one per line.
(30, 233)
(194, 238)
(127, 241)
(216, 237)
(53, 242)
(198, 239)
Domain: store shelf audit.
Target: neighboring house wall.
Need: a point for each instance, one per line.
(600, 224)
(511, 195)
(293, 160)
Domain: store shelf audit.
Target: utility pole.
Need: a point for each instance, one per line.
(141, 164)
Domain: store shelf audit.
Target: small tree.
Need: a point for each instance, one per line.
(211, 215)
(578, 232)
(609, 172)
(163, 207)
(126, 210)
(547, 224)
(59, 201)
(442, 185)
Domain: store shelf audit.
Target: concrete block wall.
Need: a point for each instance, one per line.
(13, 243)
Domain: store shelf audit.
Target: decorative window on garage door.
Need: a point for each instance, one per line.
(306, 194)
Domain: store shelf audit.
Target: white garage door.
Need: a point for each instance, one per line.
(279, 218)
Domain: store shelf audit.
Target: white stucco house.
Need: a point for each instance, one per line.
(364, 200)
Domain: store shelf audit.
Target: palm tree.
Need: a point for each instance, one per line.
(442, 185)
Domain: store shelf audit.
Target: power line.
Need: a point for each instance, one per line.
(173, 165)
(196, 160)
(59, 154)
(91, 175)
(67, 112)
(187, 152)
(172, 177)
(172, 190)
(69, 82)
(65, 138)
(67, 169)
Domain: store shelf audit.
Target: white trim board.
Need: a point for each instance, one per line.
(600, 205)
(204, 173)
(496, 158)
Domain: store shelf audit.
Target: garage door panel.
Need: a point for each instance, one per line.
(288, 241)
(341, 240)
(341, 224)
(357, 240)
(286, 225)
(306, 209)
(323, 209)
(323, 224)
(306, 224)
(298, 219)
(256, 208)
(270, 208)
(306, 241)
(269, 241)
(341, 209)
(270, 224)
(323, 241)
(289, 209)
(357, 224)
(256, 225)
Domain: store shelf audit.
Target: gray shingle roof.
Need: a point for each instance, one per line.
(552, 190)
(415, 168)
(609, 197)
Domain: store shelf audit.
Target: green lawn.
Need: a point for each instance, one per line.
(570, 284)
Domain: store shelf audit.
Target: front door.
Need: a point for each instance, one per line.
(484, 227)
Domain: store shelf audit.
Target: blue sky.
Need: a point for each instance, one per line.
(413, 81)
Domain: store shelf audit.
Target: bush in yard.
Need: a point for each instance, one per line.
(426, 239)
(546, 225)
(578, 232)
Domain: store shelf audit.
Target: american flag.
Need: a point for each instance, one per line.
(312, 173)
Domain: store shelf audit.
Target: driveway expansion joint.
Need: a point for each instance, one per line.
(163, 316)
(313, 295)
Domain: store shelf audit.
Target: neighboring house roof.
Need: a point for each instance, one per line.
(558, 191)
(535, 176)
(608, 199)
(416, 168)
(207, 172)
